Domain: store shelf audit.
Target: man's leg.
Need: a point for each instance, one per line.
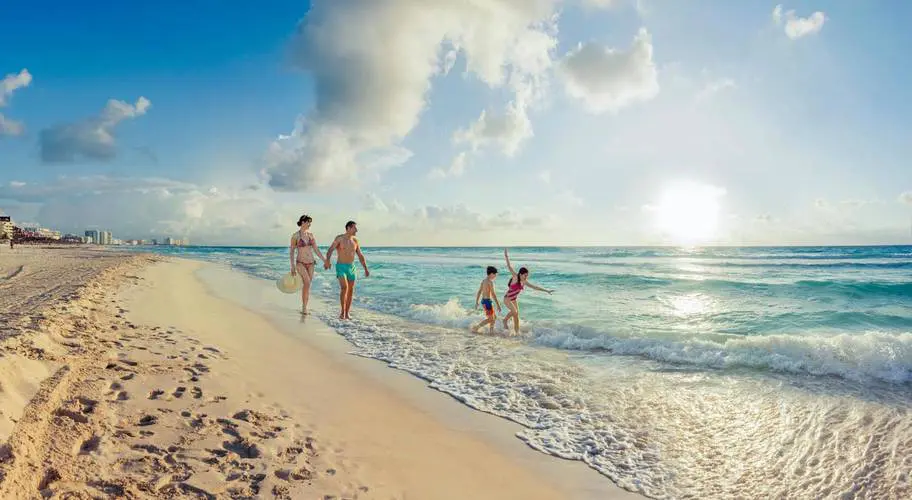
(348, 299)
(343, 292)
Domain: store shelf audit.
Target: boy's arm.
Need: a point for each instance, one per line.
(367, 272)
(478, 294)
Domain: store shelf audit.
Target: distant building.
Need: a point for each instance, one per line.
(92, 237)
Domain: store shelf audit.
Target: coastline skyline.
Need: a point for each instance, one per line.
(611, 127)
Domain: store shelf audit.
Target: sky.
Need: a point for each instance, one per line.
(446, 122)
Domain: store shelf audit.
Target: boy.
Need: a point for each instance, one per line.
(488, 298)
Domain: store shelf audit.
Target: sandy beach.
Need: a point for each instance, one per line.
(136, 376)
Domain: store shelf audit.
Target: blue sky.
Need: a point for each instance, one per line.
(605, 122)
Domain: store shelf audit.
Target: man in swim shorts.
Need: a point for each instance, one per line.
(348, 247)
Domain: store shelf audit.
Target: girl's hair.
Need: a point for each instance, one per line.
(304, 220)
(522, 271)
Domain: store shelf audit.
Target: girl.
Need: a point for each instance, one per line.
(304, 244)
(518, 281)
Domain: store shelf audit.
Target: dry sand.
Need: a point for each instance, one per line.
(123, 376)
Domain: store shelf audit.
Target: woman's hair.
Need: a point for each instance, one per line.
(304, 220)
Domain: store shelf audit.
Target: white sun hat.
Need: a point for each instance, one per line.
(290, 283)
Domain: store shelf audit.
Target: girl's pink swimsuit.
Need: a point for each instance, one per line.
(513, 290)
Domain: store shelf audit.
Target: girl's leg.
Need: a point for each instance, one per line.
(514, 313)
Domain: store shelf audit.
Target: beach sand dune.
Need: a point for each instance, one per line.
(122, 376)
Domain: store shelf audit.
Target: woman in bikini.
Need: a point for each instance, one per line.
(518, 281)
(301, 253)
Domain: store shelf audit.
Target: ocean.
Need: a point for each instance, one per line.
(676, 372)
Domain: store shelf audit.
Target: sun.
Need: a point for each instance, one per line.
(688, 212)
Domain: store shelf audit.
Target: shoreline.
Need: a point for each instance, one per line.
(139, 381)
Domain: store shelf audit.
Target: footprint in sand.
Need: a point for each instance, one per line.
(197, 392)
(179, 392)
(156, 394)
(147, 420)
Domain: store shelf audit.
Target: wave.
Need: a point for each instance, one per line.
(870, 356)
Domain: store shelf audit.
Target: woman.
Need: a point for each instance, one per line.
(518, 281)
(304, 245)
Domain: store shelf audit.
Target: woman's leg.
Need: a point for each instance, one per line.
(306, 272)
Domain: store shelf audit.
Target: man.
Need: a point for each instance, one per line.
(347, 246)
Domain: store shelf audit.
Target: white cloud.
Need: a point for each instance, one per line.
(568, 198)
(10, 127)
(8, 85)
(906, 198)
(13, 82)
(461, 218)
(91, 138)
(714, 87)
(16, 184)
(372, 61)
(146, 207)
(507, 130)
(608, 79)
(373, 203)
(797, 27)
(456, 169)
(545, 176)
(600, 4)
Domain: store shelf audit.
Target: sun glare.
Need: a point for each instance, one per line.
(689, 212)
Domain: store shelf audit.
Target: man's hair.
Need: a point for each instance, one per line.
(349, 224)
(492, 270)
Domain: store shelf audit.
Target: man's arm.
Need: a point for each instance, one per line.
(367, 272)
(329, 252)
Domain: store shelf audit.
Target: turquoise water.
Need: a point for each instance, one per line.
(677, 373)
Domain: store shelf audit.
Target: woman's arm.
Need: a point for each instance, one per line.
(509, 266)
(291, 253)
(540, 289)
(313, 241)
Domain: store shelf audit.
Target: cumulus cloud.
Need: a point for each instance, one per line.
(608, 79)
(714, 87)
(906, 198)
(461, 218)
(11, 83)
(600, 4)
(372, 61)
(456, 169)
(155, 207)
(506, 130)
(91, 138)
(568, 198)
(797, 27)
